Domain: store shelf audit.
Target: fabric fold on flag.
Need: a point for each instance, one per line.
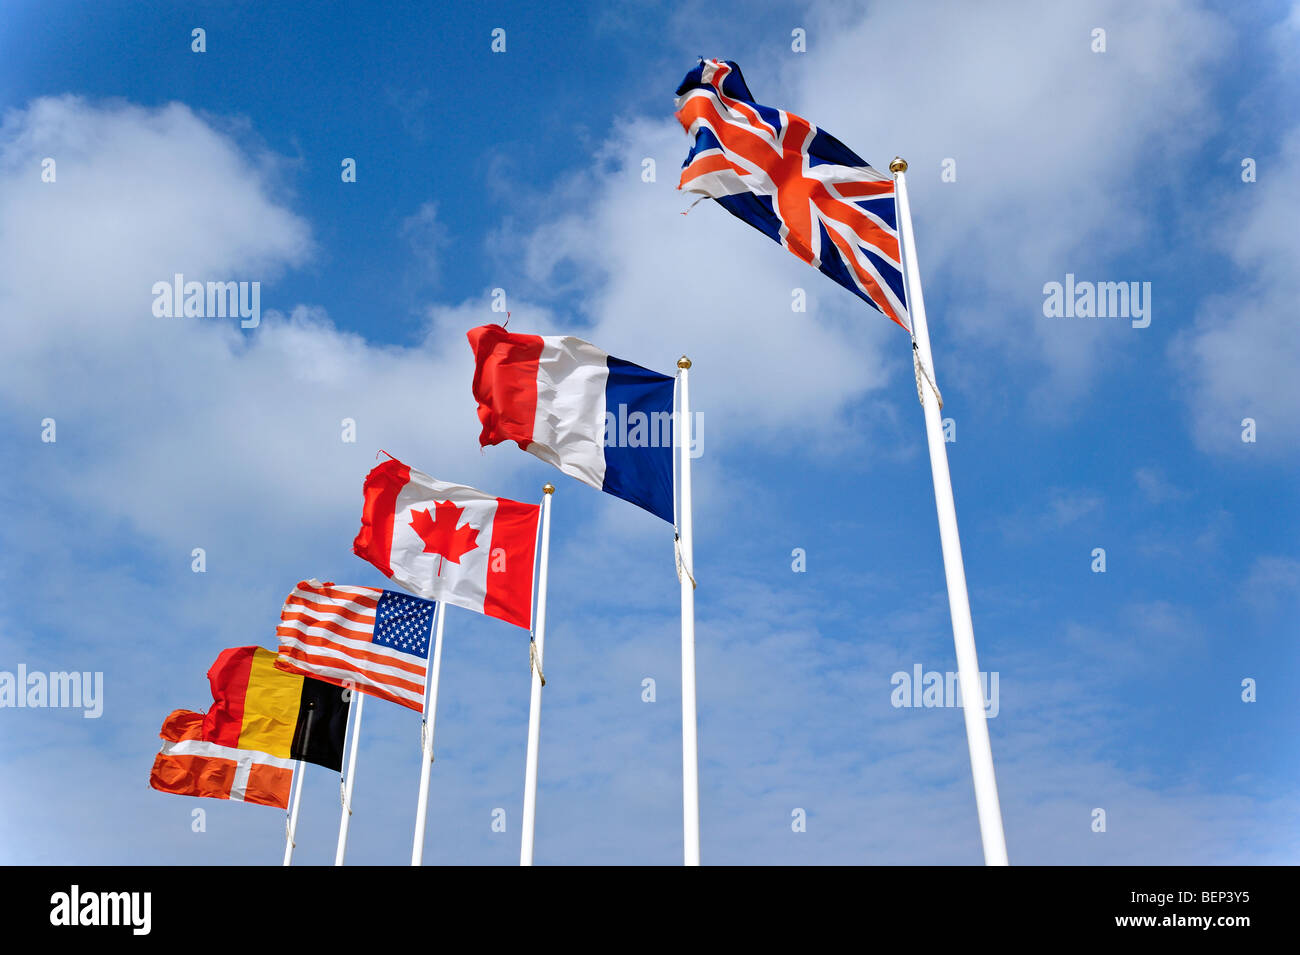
(450, 542)
(374, 641)
(602, 420)
(794, 182)
(261, 721)
(190, 765)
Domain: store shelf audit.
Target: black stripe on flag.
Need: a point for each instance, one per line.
(322, 725)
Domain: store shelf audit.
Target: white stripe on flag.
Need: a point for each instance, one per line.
(200, 747)
(569, 429)
(315, 629)
(358, 664)
(239, 785)
(356, 678)
(346, 644)
(374, 593)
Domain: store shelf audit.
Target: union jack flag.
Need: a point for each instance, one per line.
(793, 182)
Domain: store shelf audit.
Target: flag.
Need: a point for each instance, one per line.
(376, 641)
(449, 542)
(260, 721)
(795, 183)
(190, 765)
(602, 420)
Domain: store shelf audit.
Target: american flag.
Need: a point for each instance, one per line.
(793, 182)
(375, 640)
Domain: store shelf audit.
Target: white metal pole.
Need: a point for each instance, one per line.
(358, 701)
(430, 716)
(690, 751)
(963, 632)
(535, 699)
(292, 831)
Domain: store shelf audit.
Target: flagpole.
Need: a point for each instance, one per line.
(963, 631)
(430, 717)
(686, 574)
(535, 698)
(359, 700)
(292, 831)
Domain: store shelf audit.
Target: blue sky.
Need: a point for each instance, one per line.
(522, 170)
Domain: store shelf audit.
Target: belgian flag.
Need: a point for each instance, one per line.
(261, 720)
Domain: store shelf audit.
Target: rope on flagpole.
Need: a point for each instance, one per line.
(920, 371)
(681, 566)
(424, 728)
(534, 663)
(694, 204)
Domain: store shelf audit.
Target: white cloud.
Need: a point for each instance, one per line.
(182, 432)
(190, 430)
(1272, 583)
(1060, 508)
(428, 238)
(1156, 487)
(1050, 141)
(1048, 138)
(1242, 353)
(657, 283)
(140, 194)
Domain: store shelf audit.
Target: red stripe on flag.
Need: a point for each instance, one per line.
(268, 785)
(510, 572)
(360, 686)
(229, 679)
(331, 609)
(851, 190)
(374, 542)
(182, 724)
(869, 284)
(707, 164)
(335, 628)
(369, 656)
(505, 383)
(186, 775)
(347, 596)
(367, 676)
(751, 114)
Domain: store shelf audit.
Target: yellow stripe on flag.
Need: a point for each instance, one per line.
(271, 706)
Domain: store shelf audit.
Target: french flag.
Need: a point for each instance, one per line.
(605, 421)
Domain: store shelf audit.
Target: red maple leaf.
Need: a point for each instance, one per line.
(441, 535)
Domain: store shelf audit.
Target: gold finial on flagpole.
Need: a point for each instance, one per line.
(548, 488)
(683, 362)
(898, 164)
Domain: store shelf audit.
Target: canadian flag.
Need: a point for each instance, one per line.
(450, 542)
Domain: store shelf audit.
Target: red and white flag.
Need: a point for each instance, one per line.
(450, 542)
(375, 640)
